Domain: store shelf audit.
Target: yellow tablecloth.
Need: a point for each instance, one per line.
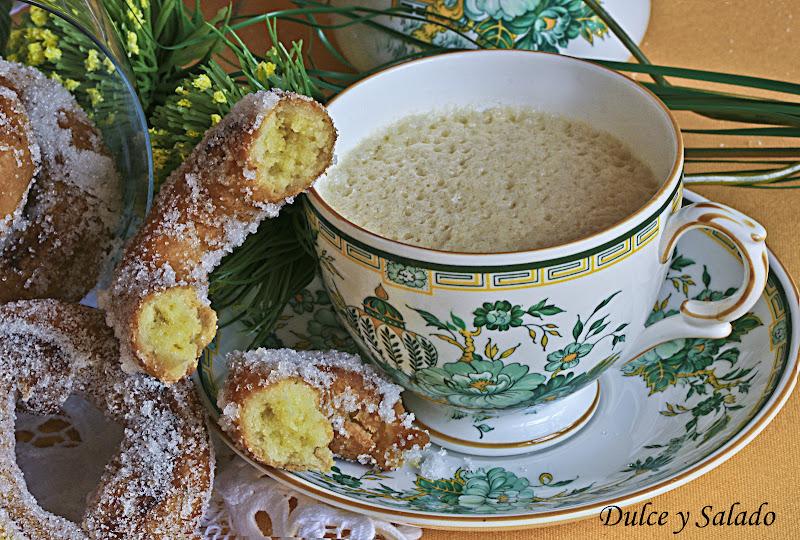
(756, 38)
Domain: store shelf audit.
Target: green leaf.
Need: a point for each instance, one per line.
(658, 373)
(729, 355)
(598, 330)
(597, 323)
(458, 321)
(430, 319)
(577, 329)
(716, 427)
(536, 307)
(679, 262)
(551, 310)
(445, 490)
(743, 325)
(706, 277)
(483, 428)
(605, 302)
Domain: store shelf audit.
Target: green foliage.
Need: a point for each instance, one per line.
(5, 24)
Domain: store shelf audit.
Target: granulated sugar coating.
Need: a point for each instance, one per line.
(269, 148)
(296, 409)
(157, 485)
(501, 179)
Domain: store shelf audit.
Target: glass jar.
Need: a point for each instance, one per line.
(74, 42)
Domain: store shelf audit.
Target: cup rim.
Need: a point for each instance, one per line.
(667, 187)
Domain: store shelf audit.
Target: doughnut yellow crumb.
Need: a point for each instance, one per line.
(285, 427)
(175, 327)
(290, 147)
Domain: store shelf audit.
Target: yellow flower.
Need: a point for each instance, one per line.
(133, 45)
(38, 16)
(15, 38)
(135, 14)
(219, 97)
(71, 84)
(181, 91)
(53, 54)
(109, 65)
(202, 82)
(92, 61)
(56, 77)
(192, 133)
(265, 70)
(35, 54)
(215, 119)
(160, 157)
(48, 38)
(94, 96)
(184, 103)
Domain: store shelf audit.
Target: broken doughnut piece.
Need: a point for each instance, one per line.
(269, 148)
(296, 410)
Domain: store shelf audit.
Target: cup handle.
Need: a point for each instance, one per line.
(701, 319)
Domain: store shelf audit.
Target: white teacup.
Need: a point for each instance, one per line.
(495, 337)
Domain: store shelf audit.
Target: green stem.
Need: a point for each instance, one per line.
(623, 36)
(743, 178)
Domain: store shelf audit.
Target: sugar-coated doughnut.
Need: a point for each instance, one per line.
(64, 230)
(297, 410)
(269, 148)
(19, 161)
(159, 482)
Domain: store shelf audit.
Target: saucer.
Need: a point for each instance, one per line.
(661, 420)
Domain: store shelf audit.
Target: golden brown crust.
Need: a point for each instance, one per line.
(349, 398)
(366, 433)
(73, 202)
(159, 482)
(42, 263)
(19, 158)
(204, 210)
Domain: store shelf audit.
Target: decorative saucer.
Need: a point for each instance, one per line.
(661, 420)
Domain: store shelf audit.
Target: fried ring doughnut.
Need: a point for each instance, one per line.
(68, 224)
(157, 485)
(296, 410)
(269, 148)
(19, 161)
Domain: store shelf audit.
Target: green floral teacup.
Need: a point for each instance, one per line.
(500, 352)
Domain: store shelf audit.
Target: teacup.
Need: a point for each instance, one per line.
(499, 353)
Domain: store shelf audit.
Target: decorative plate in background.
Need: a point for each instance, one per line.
(663, 419)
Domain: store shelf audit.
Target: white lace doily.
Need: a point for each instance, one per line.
(63, 456)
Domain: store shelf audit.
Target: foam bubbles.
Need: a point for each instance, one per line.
(501, 179)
